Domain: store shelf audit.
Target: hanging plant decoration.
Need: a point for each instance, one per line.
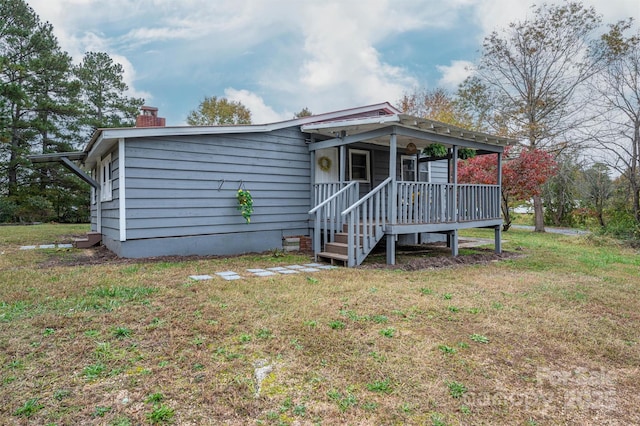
(466, 153)
(324, 163)
(435, 150)
(245, 204)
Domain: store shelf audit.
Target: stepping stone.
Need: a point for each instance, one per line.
(264, 274)
(48, 246)
(27, 247)
(288, 271)
(65, 245)
(261, 272)
(295, 267)
(314, 265)
(309, 270)
(277, 269)
(229, 275)
(327, 267)
(200, 277)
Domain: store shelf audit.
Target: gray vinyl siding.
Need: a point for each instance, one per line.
(110, 209)
(186, 186)
(439, 171)
(110, 226)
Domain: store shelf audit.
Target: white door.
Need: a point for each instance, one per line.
(326, 166)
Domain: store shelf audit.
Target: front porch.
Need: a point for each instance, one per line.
(347, 231)
(350, 217)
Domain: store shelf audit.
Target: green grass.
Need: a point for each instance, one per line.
(137, 342)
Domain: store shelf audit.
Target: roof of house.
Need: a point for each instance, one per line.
(97, 145)
(370, 121)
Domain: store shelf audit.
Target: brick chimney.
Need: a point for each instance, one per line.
(149, 118)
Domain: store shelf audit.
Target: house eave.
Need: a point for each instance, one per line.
(103, 140)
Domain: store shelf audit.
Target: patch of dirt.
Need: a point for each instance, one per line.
(408, 258)
(100, 255)
(415, 258)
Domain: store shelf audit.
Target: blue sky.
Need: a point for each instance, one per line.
(278, 56)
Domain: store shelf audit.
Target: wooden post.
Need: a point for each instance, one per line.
(498, 229)
(498, 239)
(393, 196)
(391, 249)
(454, 242)
(454, 178)
(343, 164)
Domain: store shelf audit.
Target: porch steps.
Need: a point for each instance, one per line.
(92, 239)
(338, 250)
(334, 258)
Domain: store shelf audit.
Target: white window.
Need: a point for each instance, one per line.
(106, 179)
(408, 168)
(359, 165)
(424, 171)
(94, 174)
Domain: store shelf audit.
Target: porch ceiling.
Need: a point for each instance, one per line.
(419, 131)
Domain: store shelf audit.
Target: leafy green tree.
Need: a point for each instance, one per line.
(102, 89)
(436, 104)
(561, 192)
(214, 111)
(596, 189)
(529, 77)
(304, 112)
(25, 44)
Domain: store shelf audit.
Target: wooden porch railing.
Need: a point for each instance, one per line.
(366, 220)
(322, 191)
(417, 203)
(423, 202)
(327, 213)
(478, 202)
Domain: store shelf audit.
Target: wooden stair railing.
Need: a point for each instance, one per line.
(363, 226)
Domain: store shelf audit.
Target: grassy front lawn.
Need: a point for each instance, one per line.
(552, 337)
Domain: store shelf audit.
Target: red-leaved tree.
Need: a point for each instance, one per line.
(523, 174)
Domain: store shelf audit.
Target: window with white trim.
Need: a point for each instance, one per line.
(408, 167)
(424, 171)
(359, 165)
(106, 179)
(94, 173)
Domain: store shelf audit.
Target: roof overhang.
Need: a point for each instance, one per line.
(103, 140)
(408, 129)
(67, 160)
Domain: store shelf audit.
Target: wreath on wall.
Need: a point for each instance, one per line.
(324, 163)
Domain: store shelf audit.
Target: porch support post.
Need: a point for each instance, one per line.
(454, 180)
(391, 249)
(343, 163)
(454, 243)
(498, 229)
(393, 197)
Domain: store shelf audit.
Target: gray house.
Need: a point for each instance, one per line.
(346, 179)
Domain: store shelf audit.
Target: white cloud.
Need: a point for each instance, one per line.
(320, 54)
(260, 112)
(454, 74)
(497, 14)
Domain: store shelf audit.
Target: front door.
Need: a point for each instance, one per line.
(326, 167)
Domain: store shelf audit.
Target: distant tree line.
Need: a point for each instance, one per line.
(558, 83)
(48, 104)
